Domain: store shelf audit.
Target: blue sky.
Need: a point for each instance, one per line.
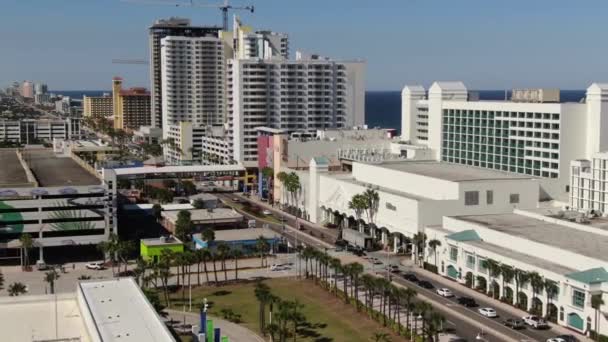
(488, 44)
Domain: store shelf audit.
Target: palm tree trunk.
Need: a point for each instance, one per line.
(214, 271)
(198, 274)
(236, 268)
(206, 271)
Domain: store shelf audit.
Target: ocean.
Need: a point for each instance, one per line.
(382, 108)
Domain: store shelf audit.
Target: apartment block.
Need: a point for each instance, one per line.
(131, 107)
(259, 44)
(174, 27)
(305, 94)
(97, 106)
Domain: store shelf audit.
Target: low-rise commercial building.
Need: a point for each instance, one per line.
(245, 239)
(102, 310)
(567, 261)
(152, 249)
(202, 218)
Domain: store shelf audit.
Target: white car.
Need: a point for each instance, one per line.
(535, 321)
(488, 312)
(267, 212)
(95, 266)
(445, 292)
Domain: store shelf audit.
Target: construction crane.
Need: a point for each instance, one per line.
(224, 7)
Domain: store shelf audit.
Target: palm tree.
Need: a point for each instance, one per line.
(551, 289)
(358, 205)
(1, 280)
(372, 199)
(493, 271)
(356, 269)
(380, 336)
(26, 244)
(596, 303)
(203, 256)
(507, 276)
(164, 271)
(140, 271)
(336, 264)
(433, 244)
(50, 278)
(436, 322)
(521, 277)
(16, 289)
(368, 282)
(223, 251)
(537, 282)
(262, 247)
(263, 295)
(419, 241)
(408, 297)
(346, 270)
(214, 258)
(423, 308)
(236, 254)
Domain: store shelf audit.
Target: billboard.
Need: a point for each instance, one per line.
(265, 151)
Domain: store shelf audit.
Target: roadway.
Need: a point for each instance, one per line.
(467, 322)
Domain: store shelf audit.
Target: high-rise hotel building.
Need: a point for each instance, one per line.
(532, 134)
(172, 27)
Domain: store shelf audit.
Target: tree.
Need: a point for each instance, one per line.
(263, 295)
(551, 289)
(164, 271)
(203, 255)
(380, 336)
(141, 266)
(357, 204)
(596, 303)
(262, 247)
(507, 275)
(26, 244)
(493, 271)
(16, 289)
(50, 278)
(198, 204)
(1, 280)
(236, 254)
(419, 241)
(356, 270)
(433, 244)
(223, 252)
(109, 249)
(372, 199)
(537, 282)
(189, 188)
(184, 226)
(521, 277)
(154, 299)
(157, 212)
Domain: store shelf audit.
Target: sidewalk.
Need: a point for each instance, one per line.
(503, 306)
(235, 332)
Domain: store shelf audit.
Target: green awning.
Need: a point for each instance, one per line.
(590, 276)
(465, 235)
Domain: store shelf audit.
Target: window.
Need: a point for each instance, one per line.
(578, 298)
(453, 253)
(482, 266)
(489, 197)
(471, 197)
(514, 198)
(470, 261)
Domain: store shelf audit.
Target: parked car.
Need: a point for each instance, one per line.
(392, 268)
(411, 277)
(514, 323)
(236, 199)
(95, 266)
(563, 338)
(535, 322)
(467, 301)
(41, 266)
(488, 312)
(425, 284)
(359, 252)
(445, 292)
(266, 212)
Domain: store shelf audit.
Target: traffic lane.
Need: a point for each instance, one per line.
(461, 326)
(528, 332)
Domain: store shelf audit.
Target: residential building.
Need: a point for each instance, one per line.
(174, 27)
(588, 185)
(98, 310)
(40, 88)
(131, 107)
(97, 106)
(305, 94)
(537, 138)
(27, 89)
(42, 99)
(259, 44)
(570, 256)
(31, 131)
(193, 80)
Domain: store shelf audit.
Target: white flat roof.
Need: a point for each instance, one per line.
(32, 318)
(204, 215)
(584, 243)
(173, 169)
(121, 312)
(450, 172)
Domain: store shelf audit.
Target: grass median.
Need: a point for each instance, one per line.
(329, 318)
